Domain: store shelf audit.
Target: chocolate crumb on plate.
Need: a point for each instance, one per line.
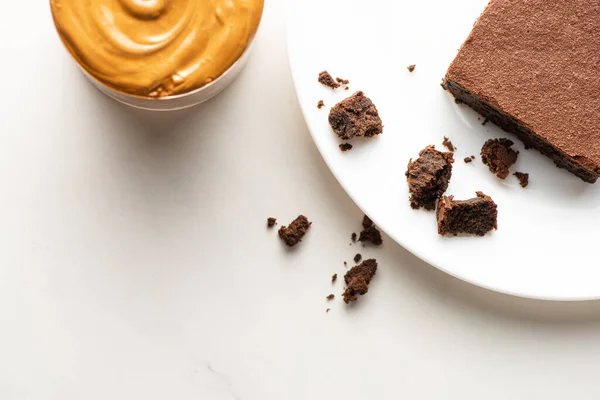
(448, 144)
(345, 147)
(355, 116)
(411, 68)
(468, 160)
(327, 311)
(320, 104)
(345, 265)
(293, 234)
(334, 278)
(330, 297)
(523, 178)
(370, 233)
(271, 222)
(498, 155)
(326, 79)
(353, 237)
(357, 258)
(358, 279)
(342, 81)
(428, 177)
(476, 216)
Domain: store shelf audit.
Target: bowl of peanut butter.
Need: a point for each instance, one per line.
(158, 54)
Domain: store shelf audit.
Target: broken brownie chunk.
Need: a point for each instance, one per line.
(326, 79)
(370, 233)
(428, 177)
(271, 222)
(357, 258)
(448, 144)
(476, 216)
(411, 67)
(523, 178)
(345, 147)
(355, 116)
(293, 234)
(358, 279)
(498, 156)
(320, 104)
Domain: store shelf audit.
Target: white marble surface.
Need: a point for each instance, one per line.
(135, 262)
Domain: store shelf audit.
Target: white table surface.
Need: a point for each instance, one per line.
(135, 262)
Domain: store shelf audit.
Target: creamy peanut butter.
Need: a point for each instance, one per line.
(156, 48)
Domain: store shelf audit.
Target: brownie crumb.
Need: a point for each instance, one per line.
(448, 144)
(358, 279)
(271, 222)
(345, 147)
(293, 234)
(347, 88)
(326, 79)
(330, 297)
(342, 81)
(428, 177)
(468, 160)
(327, 311)
(476, 216)
(320, 104)
(355, 116)
(370, 233)
(485, 121)
(353, 237)
(345, 265)
(411, 68)
(498, 156)
(523, 178)
(357, 258)
(334, 277)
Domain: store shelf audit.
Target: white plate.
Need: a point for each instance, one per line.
(546, 245)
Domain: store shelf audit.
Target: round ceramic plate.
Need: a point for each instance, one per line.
(546, 244)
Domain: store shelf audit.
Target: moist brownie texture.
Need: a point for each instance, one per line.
(358, 279)
(370, 233)
(293, 234)
(428, 177)
(498, 156)
(355, 116)
(476, 216)
(533, 68)
(523, 178)
(326, 79)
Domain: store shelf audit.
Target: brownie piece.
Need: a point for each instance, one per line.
(448, 144)
(342, 81)
(326, 79)
(358, 280)
(533, 68)
(428, 177)
(411, 68)
(345, 147)
(271, 222)
(357, 258)
(293, 234)
(370, 233)
(498, 156)
(468, 160)
(330, 297)
(523, 178)
(355, 116)
(320, 104)
(476, 216)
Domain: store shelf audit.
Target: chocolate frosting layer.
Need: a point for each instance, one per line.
(539, 61)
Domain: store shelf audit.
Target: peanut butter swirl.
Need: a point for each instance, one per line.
(156, 48)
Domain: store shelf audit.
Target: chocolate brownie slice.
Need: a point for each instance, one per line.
(355, 116)
(476, 216)
(533, 68)
(428, 177)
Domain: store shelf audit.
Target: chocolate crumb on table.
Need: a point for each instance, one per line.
(320, 104)
(476, 216)
(293, 234)
(523, 178)
(357, 258)
(345, 265)
(370, 233)
(271, 222)
(345, 147)
(342, 81)
(411, 68)
(358, 279)
(334, 278)
(327, 311)
(330, 297)
(347, 88)
(326, 79)
(355, 116)
(468, 160)
(498, 155)
(353, 237)
(428, 177)
(448, 144)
